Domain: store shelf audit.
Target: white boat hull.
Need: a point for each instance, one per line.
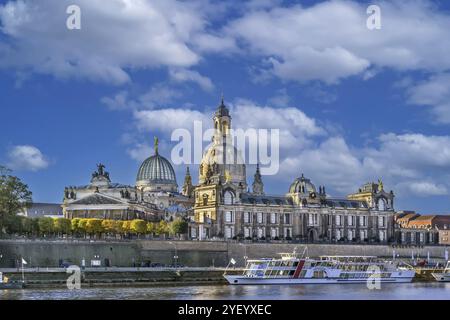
(241, 280)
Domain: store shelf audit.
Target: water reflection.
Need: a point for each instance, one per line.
(432, 291)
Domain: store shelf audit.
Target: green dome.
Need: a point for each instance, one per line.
(156, 170)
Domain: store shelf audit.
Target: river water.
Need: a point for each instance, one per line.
(408, 291)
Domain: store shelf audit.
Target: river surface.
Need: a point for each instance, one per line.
(431, 291)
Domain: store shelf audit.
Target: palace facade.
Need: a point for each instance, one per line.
(225, 208)
(154, 197)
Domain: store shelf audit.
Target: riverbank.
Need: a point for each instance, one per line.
(51, 253)
(119, 277)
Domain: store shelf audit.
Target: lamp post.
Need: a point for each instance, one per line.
(245, 252)
(175, 256)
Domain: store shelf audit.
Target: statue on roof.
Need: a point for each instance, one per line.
(380, 185)
(155, 144)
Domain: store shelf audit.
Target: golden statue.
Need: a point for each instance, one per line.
(380, 185)
(227, 176)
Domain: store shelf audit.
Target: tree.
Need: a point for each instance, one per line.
(126, 227)
(118, 227)
(46, 226)
(75, 226)
(94, 226)
(30, 226)
(179, 226)
(151, 228)
(162, 228)
(82, 226)
(14, 196)
(138, 226)
(62, 225)
(109, 226)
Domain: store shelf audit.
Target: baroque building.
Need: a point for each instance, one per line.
(151, 198)
(225, 208)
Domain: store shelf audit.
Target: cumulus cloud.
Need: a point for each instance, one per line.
(409, 163)
(435, 93)
(329, 41)
(157, 96)
(183, 75)
(423, 188)
(26, 157)
(114, 37)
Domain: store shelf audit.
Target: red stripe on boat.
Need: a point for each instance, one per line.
(300, 265)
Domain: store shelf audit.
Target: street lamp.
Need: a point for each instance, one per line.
(175, 256)
(245, 252)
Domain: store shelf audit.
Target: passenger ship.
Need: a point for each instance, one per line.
(289, 269)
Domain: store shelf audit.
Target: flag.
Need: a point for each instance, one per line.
(233, 261)
(23, 261)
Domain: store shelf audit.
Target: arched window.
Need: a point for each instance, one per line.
(228, 197)
(382, 204)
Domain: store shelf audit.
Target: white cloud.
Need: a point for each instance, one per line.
(408, 163)
(26, 157)
(183, 75)
(115, 36)
(329, 41)
(157, 96)
(435, 93)
(423, 188)
(167, 120)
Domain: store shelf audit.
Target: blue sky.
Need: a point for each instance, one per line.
(353, 105)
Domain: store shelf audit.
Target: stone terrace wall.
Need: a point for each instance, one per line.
(190, 253)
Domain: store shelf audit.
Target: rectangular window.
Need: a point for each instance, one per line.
(312, 219)
(247, 217)
(273, 218)
(351, 220)
(382, 235)
(338, 220)
(260, 217)
(363, 234)
(363, 221)
(350, 235)
(287, 218)
(338, 234)
(274, 232)
(422, 237)
(247, 232)
(229, 216)
(229, 232)
(260, 232)
(381, 221)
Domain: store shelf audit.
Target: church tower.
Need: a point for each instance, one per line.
(222, 176)
(258, 185)
(188, 188)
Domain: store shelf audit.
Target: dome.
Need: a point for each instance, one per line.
(302, 185)
(229, 163)
(156, 173)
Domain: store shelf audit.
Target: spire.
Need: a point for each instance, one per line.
(222, 110)
(258, 185)
(155, 144)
